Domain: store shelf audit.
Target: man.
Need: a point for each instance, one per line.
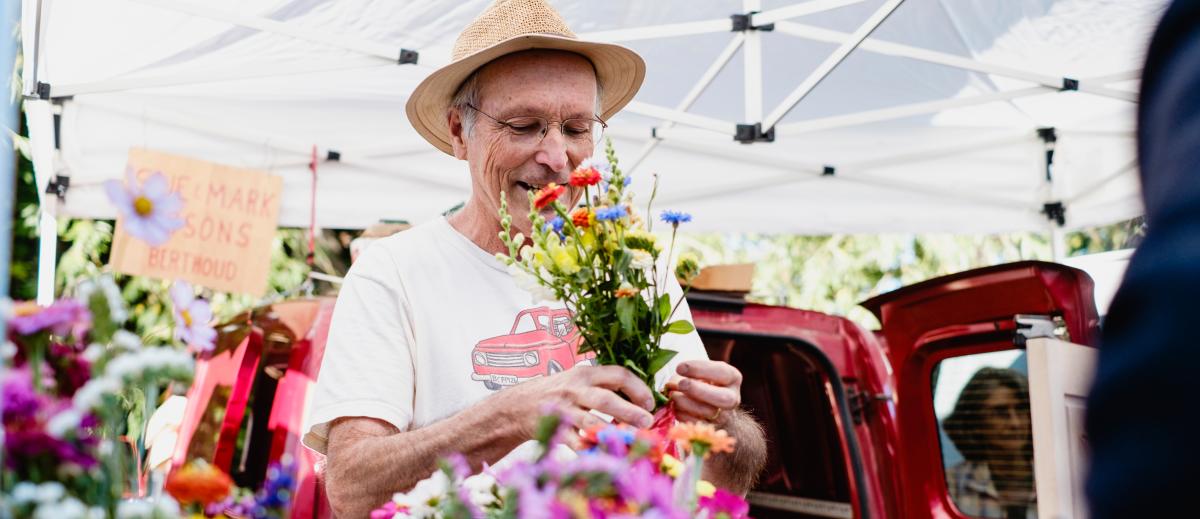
(1141, 424)
(397, 389)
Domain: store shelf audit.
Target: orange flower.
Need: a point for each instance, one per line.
(585, 177)
(198, 482)
(627, 291)
(548, 194)
(702, 436)
(581, 217)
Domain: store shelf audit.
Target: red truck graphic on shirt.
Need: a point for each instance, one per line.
(542, 342)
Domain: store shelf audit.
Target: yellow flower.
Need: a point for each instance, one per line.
(672, 466)
(563, 259)
(705, 489)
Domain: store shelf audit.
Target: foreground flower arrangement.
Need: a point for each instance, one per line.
(74, 375)
(621, 472)
(602, 261)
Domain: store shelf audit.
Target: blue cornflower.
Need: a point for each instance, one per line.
(675, 217)
(555, 225)
(611, 213)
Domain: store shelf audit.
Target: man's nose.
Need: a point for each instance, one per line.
(552, 151)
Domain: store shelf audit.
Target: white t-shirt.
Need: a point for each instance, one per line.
(427, 323)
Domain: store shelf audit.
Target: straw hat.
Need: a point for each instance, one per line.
(510, 26)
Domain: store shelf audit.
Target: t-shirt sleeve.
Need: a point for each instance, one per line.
(367, 370)
(688, 346)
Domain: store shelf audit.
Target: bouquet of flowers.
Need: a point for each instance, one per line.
(623, 472)
(73, 379)
(602, 261)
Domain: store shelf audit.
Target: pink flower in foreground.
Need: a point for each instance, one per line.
(192, 316)
(723, 502)
(65, 316)
(150, 211)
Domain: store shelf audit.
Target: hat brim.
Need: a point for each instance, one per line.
(619, 71)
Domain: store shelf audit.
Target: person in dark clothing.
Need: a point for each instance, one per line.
(1142, 424)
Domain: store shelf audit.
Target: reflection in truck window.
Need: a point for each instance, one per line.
(562, 326)
(989, 472)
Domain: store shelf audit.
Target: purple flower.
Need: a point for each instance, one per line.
(556, 225)
(20, 401)
(535, 503)
(192, 316)
(150, 211)
(63, 317)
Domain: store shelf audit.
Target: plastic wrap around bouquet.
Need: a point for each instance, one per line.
(621, 472)
(601, 260)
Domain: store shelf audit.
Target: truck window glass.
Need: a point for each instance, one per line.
(982, 406)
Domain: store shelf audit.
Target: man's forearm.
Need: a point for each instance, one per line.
(738, 471)
(365, 468)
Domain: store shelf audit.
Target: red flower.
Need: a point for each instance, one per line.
(585, 177)
(198, 482)
(548, 194)
(581, 217)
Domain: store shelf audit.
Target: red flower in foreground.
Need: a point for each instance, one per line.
(548, 194)
(587, 176)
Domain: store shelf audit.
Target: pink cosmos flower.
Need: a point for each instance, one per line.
(150, 211)
(192, 316)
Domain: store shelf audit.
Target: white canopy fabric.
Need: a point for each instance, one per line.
(888, 115)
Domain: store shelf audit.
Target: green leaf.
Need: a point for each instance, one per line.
(659, 359)
(629, 363)
(625, 310)
(681, 327)
(664, 308)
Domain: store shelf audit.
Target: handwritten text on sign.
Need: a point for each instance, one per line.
(231, 216)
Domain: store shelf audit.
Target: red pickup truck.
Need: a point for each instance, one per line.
(857, 421)
(542, 342)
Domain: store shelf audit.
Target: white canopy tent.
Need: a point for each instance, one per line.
(884, 115)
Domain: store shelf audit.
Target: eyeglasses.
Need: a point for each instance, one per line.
(529, 130)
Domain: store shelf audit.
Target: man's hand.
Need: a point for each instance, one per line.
(705, 391)
(575, 393)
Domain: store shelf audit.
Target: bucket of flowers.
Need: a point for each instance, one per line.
(621, 471)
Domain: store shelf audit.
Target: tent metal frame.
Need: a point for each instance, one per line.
(747, 38)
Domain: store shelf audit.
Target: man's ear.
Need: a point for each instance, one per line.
(457, 134)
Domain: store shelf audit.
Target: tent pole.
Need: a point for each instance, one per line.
(688, 100)
(1093, 85)
(681, 117)
(1058, 243)
(801, 9)
(659, 31)
(902, 111)
(47, 249)
(753, 68)
(831, 62)
(387, 52)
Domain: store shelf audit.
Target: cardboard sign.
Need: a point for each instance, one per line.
(231, 215)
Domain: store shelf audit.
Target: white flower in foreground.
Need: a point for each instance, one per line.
(529, 283)
(127, 340)
(49, 492)
(482, 488)
(65, 422)
(641, 260)
(165, 508)
(24, 492)
(112, 296)
(418, 500)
